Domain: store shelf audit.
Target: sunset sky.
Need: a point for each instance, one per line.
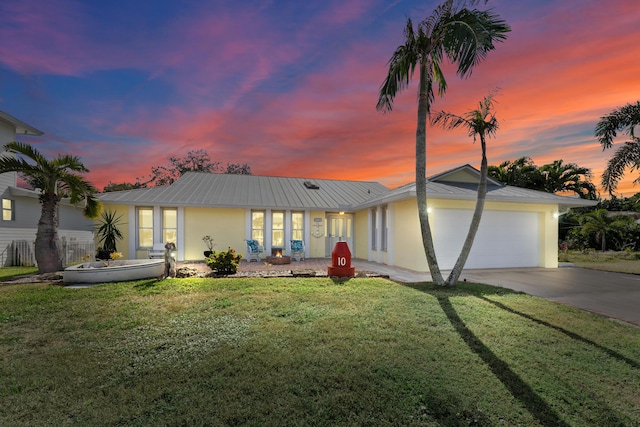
(290, 87)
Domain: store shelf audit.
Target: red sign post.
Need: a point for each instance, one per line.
(341, 261)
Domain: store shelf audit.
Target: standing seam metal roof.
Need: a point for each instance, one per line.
(249, 191)
(223, 190)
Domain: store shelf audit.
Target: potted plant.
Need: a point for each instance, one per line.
(208, 241)
(108, 234)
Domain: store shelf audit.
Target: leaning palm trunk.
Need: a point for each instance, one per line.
(421, 182)
(475, 220)
(48, 251)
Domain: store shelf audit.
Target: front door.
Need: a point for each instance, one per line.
(339, 229)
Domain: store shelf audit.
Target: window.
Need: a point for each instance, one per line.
(7, 210)
(277, 229)
(297, 226)
(384, 226)
(374, 229)
(169, 225)
(257, 226)
(145, 227)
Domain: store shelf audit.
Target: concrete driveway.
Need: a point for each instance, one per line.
(615, 295)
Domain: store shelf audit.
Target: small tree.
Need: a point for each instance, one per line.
(55, 179)
(108, 231)
(597, 223)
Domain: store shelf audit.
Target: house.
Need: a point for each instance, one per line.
(21, 209)
(519, 227)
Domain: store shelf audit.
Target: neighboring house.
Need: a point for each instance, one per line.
(519, 227)
(21, 208)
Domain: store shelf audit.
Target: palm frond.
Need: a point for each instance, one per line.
(470, 36)
(627, 156)
(626, 117)
(402, 65)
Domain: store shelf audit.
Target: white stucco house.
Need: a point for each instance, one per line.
(519, 227)
(21, 208)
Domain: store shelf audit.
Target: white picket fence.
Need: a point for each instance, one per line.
(22, 253)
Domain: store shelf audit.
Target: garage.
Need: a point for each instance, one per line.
(504, 239)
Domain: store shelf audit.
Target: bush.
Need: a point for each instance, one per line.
(224, 262)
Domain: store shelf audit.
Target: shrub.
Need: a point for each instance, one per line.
(224, 262)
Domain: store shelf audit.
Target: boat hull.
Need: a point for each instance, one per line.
(116, 271)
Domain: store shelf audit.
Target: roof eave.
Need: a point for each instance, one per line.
(21, 127)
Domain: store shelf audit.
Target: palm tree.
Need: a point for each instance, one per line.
(560, 177)
(480, 123)
(108, 231)
(625, 118)
(521, 172)
(463, 36)
(597, 222)
(54, 179)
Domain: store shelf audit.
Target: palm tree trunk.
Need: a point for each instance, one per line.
(48, 251)
(421, 181)
(475, 220)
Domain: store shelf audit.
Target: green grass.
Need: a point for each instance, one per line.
(287, 352)
(620, 262)
(10, 272)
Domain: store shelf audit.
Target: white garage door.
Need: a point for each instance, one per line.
(504, 239)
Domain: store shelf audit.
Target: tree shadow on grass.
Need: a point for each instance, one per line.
(568, 333)
(146, 284)
(516, 386)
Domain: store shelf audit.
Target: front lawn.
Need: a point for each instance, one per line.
(314, 352)
(619, 262)
(11, 272)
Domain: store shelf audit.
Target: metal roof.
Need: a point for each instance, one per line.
(250, 191)
(21, 127)
(468, 191)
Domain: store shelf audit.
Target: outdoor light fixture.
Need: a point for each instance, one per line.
(429, 210)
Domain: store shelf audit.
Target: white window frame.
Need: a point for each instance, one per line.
(164, 225)
(140, 228)
(262, 229)
(8, 210)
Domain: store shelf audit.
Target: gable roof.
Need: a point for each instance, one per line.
(250, 191)
(464, 173)
(21, 127)
(461, 184)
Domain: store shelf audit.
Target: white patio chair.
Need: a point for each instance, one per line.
(297, 250)
(254, 249)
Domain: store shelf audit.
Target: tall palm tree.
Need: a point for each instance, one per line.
(480, 123)
(561, 177)
(623, 119)
(54, 179)
(463, 36)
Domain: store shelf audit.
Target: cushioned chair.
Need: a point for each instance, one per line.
(297, 250)
(254, 249)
